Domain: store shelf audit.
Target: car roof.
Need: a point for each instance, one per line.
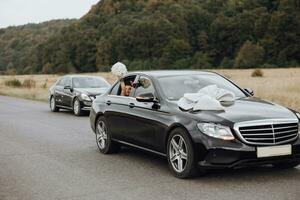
(83, 76)
(164, 73)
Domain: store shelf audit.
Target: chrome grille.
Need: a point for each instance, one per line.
(268, 132)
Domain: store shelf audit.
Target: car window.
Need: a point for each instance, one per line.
(62, 81)
(68, 82)
(144, 88)
(89, 82)
(115, 89)
(174, 87)
(128, 81)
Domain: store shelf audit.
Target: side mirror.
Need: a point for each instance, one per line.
(145, 99)
(149, 98)
(250, 91)
(67, 87)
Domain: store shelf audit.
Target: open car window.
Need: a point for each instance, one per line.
(116, 90)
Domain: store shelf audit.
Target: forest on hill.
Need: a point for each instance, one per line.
(165, 34)
(18, 44)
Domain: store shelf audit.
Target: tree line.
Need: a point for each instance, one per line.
(169, 34)
(18, 45)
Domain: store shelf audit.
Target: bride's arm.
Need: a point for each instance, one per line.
(123, 89)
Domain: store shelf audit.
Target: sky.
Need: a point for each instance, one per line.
(19, 12)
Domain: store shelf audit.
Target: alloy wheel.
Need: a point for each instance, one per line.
(52, 103)
(101, 135)
(76, 107)
(178, 154)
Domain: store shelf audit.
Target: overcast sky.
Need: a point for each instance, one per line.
(19, 12)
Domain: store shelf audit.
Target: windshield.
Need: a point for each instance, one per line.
(174, 87)
(89, 82)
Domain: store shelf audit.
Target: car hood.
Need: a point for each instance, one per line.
(92, 91)
(246, 109)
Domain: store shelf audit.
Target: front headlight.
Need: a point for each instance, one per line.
(85, 97)
(298, 115)
(216, 131)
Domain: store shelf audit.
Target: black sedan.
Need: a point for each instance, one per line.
(76, 92)
(248, 132)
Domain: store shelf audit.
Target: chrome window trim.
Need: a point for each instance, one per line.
(265, 122)
(119, 96)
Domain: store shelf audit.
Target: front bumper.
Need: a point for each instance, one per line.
(227, 158)
(86, 105)
(219, 154)
(92, 117)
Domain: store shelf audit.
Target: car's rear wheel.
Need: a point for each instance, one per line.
(103, 138)
(53, 106)
(286, 165)
(180, 154)
(77, 107)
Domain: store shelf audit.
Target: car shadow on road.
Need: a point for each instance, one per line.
(254, 172)
(71, 113)
(264, 173)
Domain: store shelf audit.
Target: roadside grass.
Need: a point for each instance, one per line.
(13, 83)
(29, 83)
(35, 87)
(257, 73)
(281, 86)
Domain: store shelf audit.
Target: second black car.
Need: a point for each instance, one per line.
(76, 93)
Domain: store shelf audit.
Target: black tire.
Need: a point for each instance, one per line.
(188, 168)
(286, 165)
(52, 104)
(77, 109)
(109, 146)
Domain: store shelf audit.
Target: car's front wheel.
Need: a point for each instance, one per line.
(53, 106)
(180, 154)
(286, 165)
(103, 138)
(77, 107)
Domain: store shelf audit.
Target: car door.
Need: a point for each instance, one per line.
(58, 91)
(68, 92)
(116, 114)
(145, 118)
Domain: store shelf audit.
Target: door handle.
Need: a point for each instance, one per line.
(108, 103)
(131, 105)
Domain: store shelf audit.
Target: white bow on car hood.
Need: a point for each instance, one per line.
(207, 98)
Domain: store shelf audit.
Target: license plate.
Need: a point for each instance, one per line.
(282, 150)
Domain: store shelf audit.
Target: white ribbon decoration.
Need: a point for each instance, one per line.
(207, 98)
(119, 70)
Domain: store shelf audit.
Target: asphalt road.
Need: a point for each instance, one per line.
(45, 155)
